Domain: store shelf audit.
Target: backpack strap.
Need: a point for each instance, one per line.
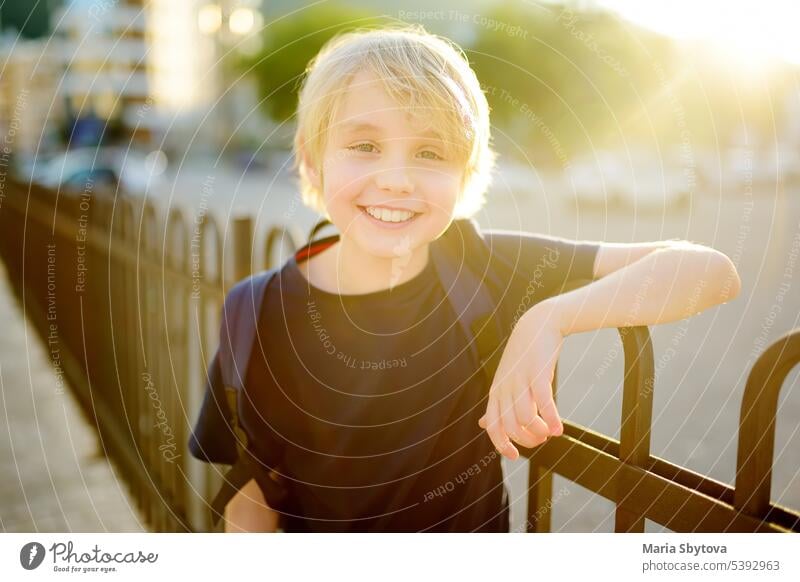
(237, 334)
(238, 327)
(318, 226)
(463, 275)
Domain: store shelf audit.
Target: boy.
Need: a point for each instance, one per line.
(369, 410)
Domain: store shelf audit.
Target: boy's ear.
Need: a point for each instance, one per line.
(311, 170)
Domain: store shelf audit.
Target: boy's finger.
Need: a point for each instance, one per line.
(494, 428)
(512, 426)
(539, 429)
(529, 420)
(524, 408)
(506, 402)
(533, 439)
(549, 413)
(482, 421)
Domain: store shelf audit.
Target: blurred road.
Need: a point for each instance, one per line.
(55, 475)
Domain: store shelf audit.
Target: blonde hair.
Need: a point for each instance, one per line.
(425, 73)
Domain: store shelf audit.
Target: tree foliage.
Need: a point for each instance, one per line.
(558, 82)
(288, 46)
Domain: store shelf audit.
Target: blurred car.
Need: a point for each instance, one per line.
(739, 169)
(784, 162)
(660, 181)
(597, 180)
(759, 169)
(708, 169)
(131, 171)
(635, 178)
(513, 179)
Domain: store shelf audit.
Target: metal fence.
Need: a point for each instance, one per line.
(128, 302)
(647, 487)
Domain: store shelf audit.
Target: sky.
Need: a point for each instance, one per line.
(748, 31)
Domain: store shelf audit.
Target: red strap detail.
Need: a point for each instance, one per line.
(314, 248)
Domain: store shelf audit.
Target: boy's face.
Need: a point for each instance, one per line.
(378, 155)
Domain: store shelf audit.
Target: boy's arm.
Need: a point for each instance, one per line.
(613, 256)
(248, 512)
(667, 284)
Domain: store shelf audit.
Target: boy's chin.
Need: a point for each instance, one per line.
(387, 249)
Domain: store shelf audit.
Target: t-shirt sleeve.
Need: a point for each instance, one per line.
(212, 439)
(547, 263)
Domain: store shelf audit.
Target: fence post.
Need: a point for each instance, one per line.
(280, 235)
(757, 425)
(637, 412)
(242, 247)
(540, 486)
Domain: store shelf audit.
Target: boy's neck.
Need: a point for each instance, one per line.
(344, 268)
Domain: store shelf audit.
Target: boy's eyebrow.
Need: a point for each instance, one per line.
(354, 127)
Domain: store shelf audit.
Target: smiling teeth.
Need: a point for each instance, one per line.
(387, 215)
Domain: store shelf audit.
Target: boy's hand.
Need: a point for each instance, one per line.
(521, 406)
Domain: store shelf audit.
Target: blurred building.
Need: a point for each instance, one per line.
(27, 108)
(104, 60)
(146, 69)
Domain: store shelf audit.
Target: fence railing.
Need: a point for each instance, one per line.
(127, 302)
(646, 487)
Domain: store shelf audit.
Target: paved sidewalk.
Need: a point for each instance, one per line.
(53, 475)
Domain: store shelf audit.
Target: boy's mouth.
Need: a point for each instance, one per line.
(388, 219)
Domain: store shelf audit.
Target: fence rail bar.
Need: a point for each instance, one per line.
(680, 475)
(654, 497)
(703, 504)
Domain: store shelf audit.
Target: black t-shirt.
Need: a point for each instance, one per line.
(367, 405)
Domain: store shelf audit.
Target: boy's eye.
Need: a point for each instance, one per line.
(369, 148)
(430, 155)
(362, 147)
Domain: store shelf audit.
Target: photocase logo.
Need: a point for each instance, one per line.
(31, 555)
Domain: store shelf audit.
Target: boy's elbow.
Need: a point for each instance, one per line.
(249, 512)
(727, 278)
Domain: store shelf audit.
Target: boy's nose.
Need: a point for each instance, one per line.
(395, 178)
